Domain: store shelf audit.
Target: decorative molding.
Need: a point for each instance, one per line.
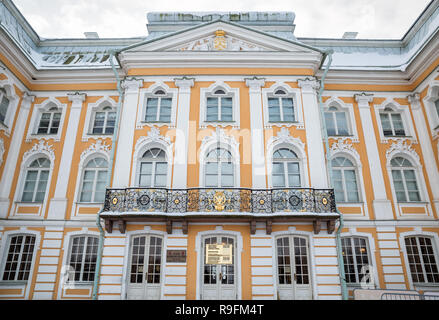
(220, 42)
(220, 136)
(184, 84)
(283, 136)
(255, 84)
(98, 147)
(153, 135)
(309, 85)
(363, 99)
(131, 85)
(41, 147)
(414, 100)
(27, 100)
(77, 98)
(402, 146)
(342, 146)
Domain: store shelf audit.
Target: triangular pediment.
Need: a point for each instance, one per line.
(221, 36)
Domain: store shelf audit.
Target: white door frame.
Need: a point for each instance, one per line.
(198, 248)
(127, 263)
(311, 267)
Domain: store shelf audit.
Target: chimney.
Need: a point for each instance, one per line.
(350, 35)
(91, 35)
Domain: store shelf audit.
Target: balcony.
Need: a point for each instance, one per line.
(240, 204)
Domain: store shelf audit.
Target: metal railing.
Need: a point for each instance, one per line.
(220, 200)
(408, 296)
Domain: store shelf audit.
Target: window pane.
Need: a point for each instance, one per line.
(385, 123)
(165, 109)
(330, 124)
(288, 109)
(273, 109)
(397, 124)
(342, 124)
(278, 180)
(211, 180)
(212, 109)
(151, 109)
(4, 108)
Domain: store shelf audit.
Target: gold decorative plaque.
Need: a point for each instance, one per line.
(220, 41)
(219, 200)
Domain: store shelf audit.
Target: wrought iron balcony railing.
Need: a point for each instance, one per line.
(220, 200)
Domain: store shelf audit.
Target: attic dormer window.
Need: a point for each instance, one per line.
(49, 121)
(158, 107)
(281, 107)
(219, 107)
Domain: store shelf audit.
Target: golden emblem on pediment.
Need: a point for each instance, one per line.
(220, 41)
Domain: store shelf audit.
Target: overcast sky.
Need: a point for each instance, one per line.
(372, 19)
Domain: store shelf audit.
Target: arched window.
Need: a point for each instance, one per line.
(286, 169)
(4, 104)
(104, 121)
(404, 180)
(49, 121)
(422, 260)
(153, 168)
(94, 180)
(356, 259)
(336, 122)
(35, 184)
(219, 106)
(158, 107)
(281, 107)
(219, 169)
(344, 177)
(391, 122)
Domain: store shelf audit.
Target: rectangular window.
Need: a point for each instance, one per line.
(158, 110)
(49, 123)
(422, 260)
(3, 108)
(355, 259)
(281, 109)
(19, 259)
(83, 255)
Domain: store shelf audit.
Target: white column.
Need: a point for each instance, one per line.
(58, 204)
(426, 147)
(127, 126)
(257, 133)
(314, 138)
(381, 205)
(13, 152)
(182, 133)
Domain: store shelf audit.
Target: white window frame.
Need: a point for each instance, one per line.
(8, 86)
(39, 170)
(293, 93)
(37, 112)
(430, 108)
(435, 243)
(230, 93)
(96, 170)
(285, 162)
(407, 122)
(87, 236)
(153, 170)
(404, 182)
(92, 108)
(219, 166)
(144, 94)
(4, 249)
(357, 177)
(348, 109)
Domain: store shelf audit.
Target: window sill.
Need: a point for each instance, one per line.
(349, 202)
(165, 122)
(274, 122)
(90, 203)
(412, 202)
(340, 135)
(404, 137)
(29, 202)
(13, 282)
(219, 121)
(99, 134)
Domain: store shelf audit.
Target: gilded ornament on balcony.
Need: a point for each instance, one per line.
(325, 201)
(115, 200)
(219, 200)
(220, 41)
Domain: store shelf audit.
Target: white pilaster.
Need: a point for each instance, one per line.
(381, 205)
(426, 147)
(316, 155)
(58, 204)
(13, 152)
(126, 132)
(182, 132)
(257, 133)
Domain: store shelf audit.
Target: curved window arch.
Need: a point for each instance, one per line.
(281, 107)
(391, 122)
(153, 168)
(219, 106)
(35, 184)
(94, 180)
(104, 120)
(344, 176)
(336, 121)
(286, 169)
(219, 169)
(4, 104)
(404, 180)
(158, 107)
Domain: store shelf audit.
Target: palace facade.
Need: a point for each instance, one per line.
(218, 157)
